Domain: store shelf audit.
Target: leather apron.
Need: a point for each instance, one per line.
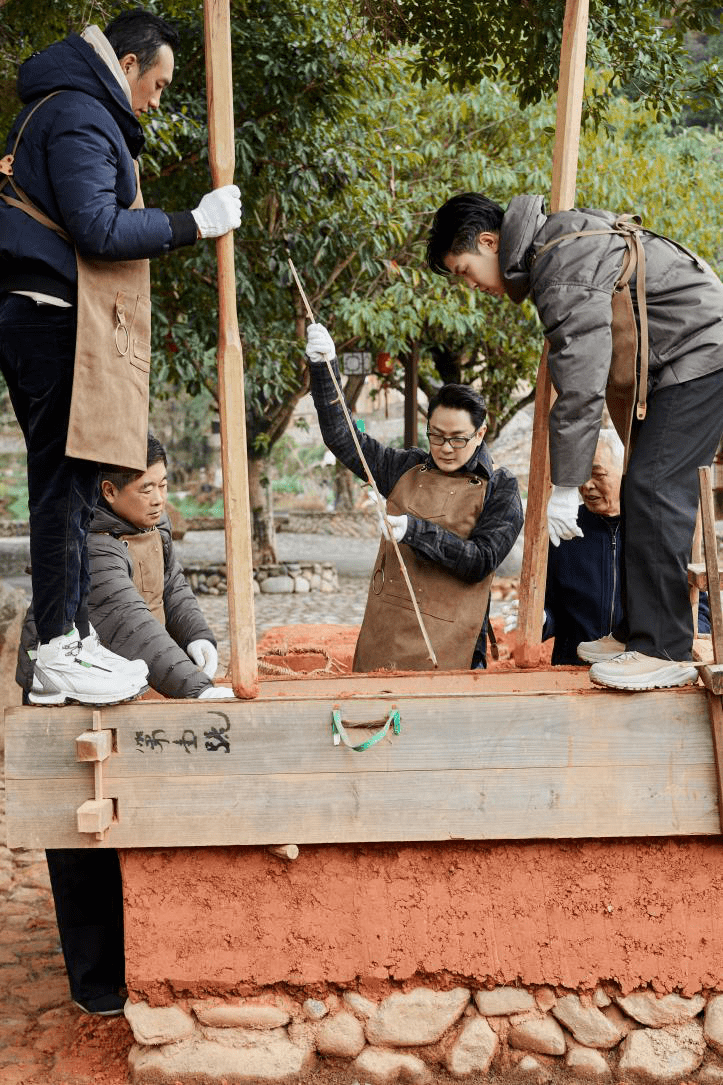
(453, 610)
(623, 380)
(109, 406)
(146, 554)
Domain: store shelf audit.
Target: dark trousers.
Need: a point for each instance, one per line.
(659, 503)
(88, 894)
(37, 350)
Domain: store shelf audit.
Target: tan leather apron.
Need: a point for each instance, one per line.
(453, 610)
(109, 405)
(146, 553)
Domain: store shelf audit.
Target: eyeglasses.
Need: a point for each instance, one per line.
(454, 442)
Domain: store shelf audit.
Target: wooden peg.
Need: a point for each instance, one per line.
(284, 851)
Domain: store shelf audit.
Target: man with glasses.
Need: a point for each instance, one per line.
(454, 514)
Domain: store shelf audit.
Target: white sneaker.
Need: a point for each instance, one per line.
(633, 670)
(596, 651)
(64, 672)
(106, 658)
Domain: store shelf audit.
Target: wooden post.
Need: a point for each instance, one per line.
(564, 172)
(232, 410)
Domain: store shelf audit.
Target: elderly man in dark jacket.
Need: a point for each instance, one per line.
(583, 597)
(75, 240)
(570, 263)
(142, 606)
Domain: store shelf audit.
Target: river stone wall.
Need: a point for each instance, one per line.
(425, 1035)
(287, 576)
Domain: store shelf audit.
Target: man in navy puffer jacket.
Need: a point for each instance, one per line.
(71, 187)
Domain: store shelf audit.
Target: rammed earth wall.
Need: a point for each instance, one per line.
(418, 962)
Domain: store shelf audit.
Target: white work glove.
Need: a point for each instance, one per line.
(562, 514)
(219, 211)
(319, 344)
(510, 613)
(204, 655)
(216, 693)
(398, 524)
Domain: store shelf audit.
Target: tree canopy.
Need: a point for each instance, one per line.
(644, 47)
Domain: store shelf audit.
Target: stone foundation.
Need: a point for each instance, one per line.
(540, 961)
(423, 1034)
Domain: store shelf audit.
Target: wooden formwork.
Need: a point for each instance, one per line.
(504, 755)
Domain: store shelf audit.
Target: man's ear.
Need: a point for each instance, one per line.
(126, 62)
(481, 430)
(108, 490)
(487, 241)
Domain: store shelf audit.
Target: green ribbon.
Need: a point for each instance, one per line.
(340, 735)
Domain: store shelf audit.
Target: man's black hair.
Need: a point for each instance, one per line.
(458, 224)
(121, 476)
(462, 398)
(140, 32)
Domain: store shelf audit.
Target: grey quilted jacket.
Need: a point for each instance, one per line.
(121, 618)
(572, 285)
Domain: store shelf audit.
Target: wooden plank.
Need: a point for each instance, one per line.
(484, 804)
(232, 410)
(603, 763)
(696, 556)
(715, 705)
(710, 550)
(562, 197)
(548, 731)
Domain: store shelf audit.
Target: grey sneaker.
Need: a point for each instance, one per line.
(597, 651)
(633, 670)
(65, 673)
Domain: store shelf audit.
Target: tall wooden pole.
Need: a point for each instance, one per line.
(232, 411)
(564, 173)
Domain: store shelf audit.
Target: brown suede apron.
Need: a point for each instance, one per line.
(453, 610)
(109, 405)
(146, 553)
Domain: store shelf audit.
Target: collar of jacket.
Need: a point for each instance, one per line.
(107, 522)
(73, 64)
(523, 219)
(479, 463)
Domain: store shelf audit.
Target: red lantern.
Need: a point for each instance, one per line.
(385, 363)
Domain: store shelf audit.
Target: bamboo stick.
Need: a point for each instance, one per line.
(232, 411)
(381, 504)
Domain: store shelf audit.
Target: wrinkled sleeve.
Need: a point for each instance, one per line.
(125, 624)
(491, 540)
(387, 465)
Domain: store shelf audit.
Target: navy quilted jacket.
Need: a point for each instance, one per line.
(75, 162)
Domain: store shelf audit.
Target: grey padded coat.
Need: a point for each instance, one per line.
(123, 622)
(572, 285)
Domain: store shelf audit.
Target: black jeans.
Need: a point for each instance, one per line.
(659, 503)
(37, 350)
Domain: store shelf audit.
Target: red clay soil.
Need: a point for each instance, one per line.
(307, 647)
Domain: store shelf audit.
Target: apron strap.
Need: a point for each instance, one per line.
(24, 203)
(629, 227)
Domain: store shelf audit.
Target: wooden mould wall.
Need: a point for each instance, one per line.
(477, 758)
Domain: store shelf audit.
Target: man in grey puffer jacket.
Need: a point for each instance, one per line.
(572, 285)
(142, 607)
